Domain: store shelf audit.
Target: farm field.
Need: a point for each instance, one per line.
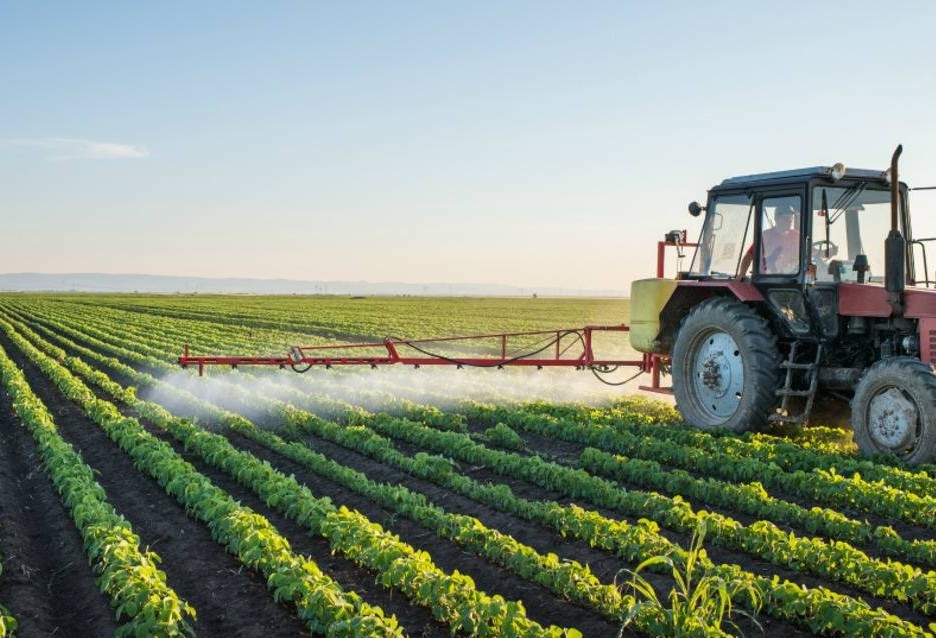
(139, 499)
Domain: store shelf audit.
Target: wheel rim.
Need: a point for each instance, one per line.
(717, 375)
(894, 421)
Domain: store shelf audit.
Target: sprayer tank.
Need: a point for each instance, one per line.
(648, 296)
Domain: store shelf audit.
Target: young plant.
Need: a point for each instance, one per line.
(7, 623)
(503, 436)
(699, 603)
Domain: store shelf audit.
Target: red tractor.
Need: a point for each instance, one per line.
(802, 285)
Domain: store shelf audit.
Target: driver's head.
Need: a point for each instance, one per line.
(785, 215)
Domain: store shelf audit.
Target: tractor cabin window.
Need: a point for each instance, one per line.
(781, 235)
(847, 222)
(724, 233)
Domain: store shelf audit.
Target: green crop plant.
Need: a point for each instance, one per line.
(502, 435)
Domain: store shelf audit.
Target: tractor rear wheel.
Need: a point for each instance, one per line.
(894, 410)
(725, 366)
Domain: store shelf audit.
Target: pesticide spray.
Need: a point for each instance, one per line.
(249, 392)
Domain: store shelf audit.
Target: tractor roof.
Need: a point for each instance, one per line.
(798, 175)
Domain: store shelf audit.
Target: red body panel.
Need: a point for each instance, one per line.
(870, 300)
(863, 300)
(920, 303)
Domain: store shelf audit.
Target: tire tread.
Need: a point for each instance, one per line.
(904, 372)
(761, 343)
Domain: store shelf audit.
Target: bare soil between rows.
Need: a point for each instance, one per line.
(47, 584)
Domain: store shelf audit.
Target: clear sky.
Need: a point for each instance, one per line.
(526, 143)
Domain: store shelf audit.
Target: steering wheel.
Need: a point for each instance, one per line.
(819, 247)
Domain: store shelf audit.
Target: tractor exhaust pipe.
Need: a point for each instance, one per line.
(895, 188)
(895, 247)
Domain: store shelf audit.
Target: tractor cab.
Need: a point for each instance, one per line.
(795, 237)
(813, 225)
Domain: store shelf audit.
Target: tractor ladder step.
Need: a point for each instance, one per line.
(787, 391)
(797, 366)
(796, 393)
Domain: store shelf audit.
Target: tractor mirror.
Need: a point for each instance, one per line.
(695, 209)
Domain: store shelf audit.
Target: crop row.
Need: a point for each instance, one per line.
(376, 317)
(753, 499)
(126, 573)
(452, 598)
(750, 498)
(761, 447)
(632, 542)
(567, 579)
(839, 600)
(404, 407)
(824, 486)
(157, 338)
(215, 339)
(319, 600)
(631, 414)
(838, 561)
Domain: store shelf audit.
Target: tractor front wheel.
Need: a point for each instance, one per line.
(894, 410)
(725, 366)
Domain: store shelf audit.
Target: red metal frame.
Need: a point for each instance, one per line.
(332, 355)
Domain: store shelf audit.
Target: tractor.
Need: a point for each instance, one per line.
(802, 292)
(802, 286)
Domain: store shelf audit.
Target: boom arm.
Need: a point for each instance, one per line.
(559, 344)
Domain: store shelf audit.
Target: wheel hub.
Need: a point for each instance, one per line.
(893, 420)
(719, 374)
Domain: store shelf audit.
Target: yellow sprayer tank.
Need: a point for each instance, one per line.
(648, 296)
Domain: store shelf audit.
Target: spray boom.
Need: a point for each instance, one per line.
(572, 347)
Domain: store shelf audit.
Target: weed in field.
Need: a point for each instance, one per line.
(698, 604)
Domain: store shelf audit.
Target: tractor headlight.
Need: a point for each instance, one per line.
(837, 171)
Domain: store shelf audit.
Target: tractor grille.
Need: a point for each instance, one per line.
(932, 346)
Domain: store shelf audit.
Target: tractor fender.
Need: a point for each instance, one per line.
(689, 293)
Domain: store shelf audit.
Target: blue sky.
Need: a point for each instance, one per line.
(526, 143)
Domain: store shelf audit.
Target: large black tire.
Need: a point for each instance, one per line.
(725, 366)
(894, 410)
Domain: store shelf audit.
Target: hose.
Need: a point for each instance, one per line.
(596, 370)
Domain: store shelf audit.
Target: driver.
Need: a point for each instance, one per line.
(779, 245)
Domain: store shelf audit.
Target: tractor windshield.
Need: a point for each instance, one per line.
(724, 233)
(848, 222)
